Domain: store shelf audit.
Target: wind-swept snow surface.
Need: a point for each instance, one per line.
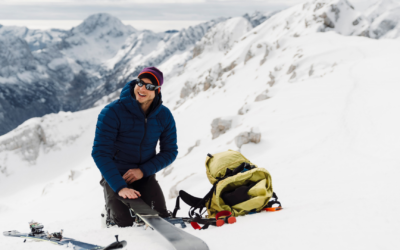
(325, 104)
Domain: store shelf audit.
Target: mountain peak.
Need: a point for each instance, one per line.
(104, 22)
(256, 18)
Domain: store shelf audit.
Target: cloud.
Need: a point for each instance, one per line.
(133, 9)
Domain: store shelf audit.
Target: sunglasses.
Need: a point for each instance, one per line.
(140, 83)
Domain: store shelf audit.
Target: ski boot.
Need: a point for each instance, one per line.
(106, 220)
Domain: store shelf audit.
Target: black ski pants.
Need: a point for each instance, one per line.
(150, 192)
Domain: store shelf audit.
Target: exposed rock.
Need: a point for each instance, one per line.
(291, 69)
(167, 170)
(256, 18)
(219, 126)
(357, 21)
(197, 50)
(327, 22)
(187, 90)
(384, 27)
(245, 137)
(318, 6)
(248, 56)
(311, 72)
(74, 175)
(4, 171)
(192, 147)
(265, 56)
(207, 85)
(230, 67)
(293, 76)
(26, 141)
(272, 81)
(335, 10)
(263, 96)
(243, 110)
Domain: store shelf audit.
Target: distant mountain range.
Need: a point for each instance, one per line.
(45, 71)
(55, 70)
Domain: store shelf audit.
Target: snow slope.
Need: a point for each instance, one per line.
(324, 102)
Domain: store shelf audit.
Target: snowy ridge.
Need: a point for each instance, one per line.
(36, 39)
(385, 19)
(319, 16)
(379, 8)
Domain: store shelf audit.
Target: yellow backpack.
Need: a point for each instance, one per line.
(239, 187)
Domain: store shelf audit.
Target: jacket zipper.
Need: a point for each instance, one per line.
(145, 130)
(115, 154)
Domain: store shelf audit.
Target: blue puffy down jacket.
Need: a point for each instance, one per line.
(125, 138)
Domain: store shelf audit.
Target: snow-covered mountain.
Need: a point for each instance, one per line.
(36, 39)
(71, 70)
(47, 71)
(385, 19)
(321, 94)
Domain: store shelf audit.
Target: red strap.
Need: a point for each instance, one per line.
(195, 225)
(223, 213)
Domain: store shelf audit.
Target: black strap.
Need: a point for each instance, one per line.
(177, 207)
(273, 202)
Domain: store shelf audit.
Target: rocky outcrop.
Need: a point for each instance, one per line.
(263, 96)
(25, 141)
(243, 110)
(220, 126)
(253, 136)
(192, 147)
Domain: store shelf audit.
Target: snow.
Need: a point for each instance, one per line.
(329, 139)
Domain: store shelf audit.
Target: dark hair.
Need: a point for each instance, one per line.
(150, 77)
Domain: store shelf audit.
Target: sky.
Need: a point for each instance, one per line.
(134, 9)
(141, 14)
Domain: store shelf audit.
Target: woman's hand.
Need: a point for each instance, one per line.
(133, 175)
(128, 193)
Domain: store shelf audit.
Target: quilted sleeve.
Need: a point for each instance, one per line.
(103, 147)
(168, 150)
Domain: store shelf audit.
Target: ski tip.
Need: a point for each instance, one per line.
(123, 243)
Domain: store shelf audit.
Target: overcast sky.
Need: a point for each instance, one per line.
(140, 9)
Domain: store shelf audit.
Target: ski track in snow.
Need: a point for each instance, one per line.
(330, 140)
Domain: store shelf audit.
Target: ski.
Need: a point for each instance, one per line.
(180, 239)
(57, 238)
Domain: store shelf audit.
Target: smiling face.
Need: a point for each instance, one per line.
(144, 96)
